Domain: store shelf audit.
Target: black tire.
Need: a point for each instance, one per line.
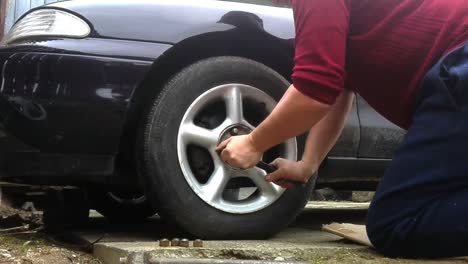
(158, 159)
(118, 209)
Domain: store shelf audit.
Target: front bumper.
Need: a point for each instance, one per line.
(64, 101)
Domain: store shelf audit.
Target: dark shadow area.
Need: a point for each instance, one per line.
(315, 218)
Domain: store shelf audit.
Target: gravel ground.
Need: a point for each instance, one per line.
(39, 249)
(23, 241)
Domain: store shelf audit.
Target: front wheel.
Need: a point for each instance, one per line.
(203, 104)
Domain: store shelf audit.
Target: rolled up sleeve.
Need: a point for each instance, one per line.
(320, 48)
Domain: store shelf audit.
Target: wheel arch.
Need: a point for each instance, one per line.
(256, 45)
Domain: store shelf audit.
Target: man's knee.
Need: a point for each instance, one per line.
(388, 235)
(396, 232)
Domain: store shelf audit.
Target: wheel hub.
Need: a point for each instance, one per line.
(234, 130)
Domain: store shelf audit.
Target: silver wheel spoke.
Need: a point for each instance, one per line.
(266, 188)
(247, 124)
(215, 186)
(216, 159)
(221, 127)
(233, 101)
(192, 134)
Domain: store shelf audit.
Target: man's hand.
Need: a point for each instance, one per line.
(290, 173)
(239, 152)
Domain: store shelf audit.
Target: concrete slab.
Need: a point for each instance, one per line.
(302, 241)
(292, 244)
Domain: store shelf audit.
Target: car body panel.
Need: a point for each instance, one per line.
(112, 48)
(173, 21)
(347, 144)
(379, 137)
(343, 157)
(74, 104)
(378, 140)
(84, 87)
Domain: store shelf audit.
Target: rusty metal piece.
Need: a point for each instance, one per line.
(184, 243)
(175, 242)
(198, 243)
(164, 243)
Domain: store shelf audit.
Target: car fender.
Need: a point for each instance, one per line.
(173, 21)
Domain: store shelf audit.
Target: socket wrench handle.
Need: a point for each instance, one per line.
(270, 169)
(266, 167)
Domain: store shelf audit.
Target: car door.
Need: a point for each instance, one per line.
(379, 140)
(341, 163)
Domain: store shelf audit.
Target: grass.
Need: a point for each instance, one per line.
(22, 243)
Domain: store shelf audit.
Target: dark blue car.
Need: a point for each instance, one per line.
(128, 100)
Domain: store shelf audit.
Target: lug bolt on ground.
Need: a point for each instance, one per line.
(184, 243)
(175, 242)
(164, 243)
(198, 243)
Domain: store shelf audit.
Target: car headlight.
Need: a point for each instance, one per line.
(48, 22)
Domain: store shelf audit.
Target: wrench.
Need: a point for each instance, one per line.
(266, 167)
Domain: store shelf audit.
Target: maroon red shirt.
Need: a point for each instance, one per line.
(379, 48)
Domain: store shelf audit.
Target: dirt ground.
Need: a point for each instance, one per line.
(22, 240)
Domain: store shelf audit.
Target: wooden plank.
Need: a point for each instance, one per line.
(2, 17)
(36, 3)
(355, 233)
(10, 14)
(21, 7)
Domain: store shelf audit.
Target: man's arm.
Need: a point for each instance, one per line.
(294, 114)
(324, 135)
(320, 140)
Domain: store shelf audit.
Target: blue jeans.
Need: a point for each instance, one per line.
(421, 205)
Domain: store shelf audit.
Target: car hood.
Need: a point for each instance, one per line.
(172, 21)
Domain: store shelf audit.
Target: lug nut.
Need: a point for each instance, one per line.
(198, 243)
(184, 243)
(235, 131)
(164, 242)
(175, 242)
